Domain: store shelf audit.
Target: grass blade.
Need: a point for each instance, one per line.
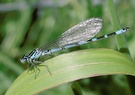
(70, 67)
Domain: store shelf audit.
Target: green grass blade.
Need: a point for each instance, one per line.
(70, 67)
(121, 40)
(76, 88)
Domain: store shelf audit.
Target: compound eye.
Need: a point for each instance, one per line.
(23, 59)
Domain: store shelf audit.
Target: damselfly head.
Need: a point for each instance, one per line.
(24, 58)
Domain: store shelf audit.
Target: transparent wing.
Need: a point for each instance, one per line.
(81, 32)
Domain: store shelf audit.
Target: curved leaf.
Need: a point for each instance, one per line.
(70, 67)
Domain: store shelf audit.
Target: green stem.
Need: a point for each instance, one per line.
(76, 88)
(121, 41)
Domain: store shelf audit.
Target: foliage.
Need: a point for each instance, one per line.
(38, 22)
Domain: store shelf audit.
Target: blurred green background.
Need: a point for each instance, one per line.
(27, 24)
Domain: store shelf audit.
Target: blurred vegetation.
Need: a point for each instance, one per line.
(27, 25)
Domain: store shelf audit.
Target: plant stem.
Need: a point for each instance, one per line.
(121, 41)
